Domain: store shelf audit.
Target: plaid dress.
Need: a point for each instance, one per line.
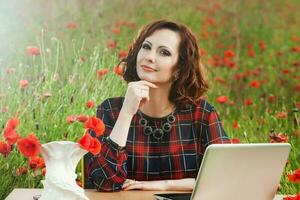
(178, 154)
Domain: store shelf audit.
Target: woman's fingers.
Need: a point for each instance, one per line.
(128, 183)
(146, 83)
(132, 184)
(143, 101)
(137, 94)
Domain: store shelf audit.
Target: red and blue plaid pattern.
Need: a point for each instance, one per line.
(177, 155)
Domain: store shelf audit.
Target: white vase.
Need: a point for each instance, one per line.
(61, 158)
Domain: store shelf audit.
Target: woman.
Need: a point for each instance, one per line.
(156, 136)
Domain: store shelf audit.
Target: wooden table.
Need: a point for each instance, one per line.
(27, 194)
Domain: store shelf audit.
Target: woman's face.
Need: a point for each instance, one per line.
(157, 58)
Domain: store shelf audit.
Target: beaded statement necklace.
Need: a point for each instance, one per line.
(157, 133)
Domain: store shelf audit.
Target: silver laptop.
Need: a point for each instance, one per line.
(238, 172)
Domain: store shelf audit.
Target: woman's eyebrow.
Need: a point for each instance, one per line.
(148, 42)
(162, 46)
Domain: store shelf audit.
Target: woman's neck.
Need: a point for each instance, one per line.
(159, 104)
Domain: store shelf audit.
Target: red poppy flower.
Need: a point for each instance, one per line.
(32, 51)
(216, 34)
(72, 25)
(130, 24)
(238, 76)
(36, 162)
(11, 124)
(118, 70)
(210, 21)
(29, 146)
(95, 125)
(221, 99)
(229, 63)
(278, 138)
(220, 80)
(281, 115)
(81, 118)
(295, 49)
(4, 148)
(111, 44)
(102, 72)
(122, 54)
(11, 136)
(23, 84)
(295, 176)
(251, 53)
(21, 170)
(297, 197)
(90, 143)
(116, 31)
(296, 63)
(44, 171)
(248, 102)
(254, 84)
(47, 94)
(90, 104)
(235, 141)
(229, 54)
(202, 52)
(265, 80)
(78, 182)
(85, 141)
(205, 34)
(295, 38)
(235, 125)
(256, 71)
(285, 71)
(71, 119)
(262, 45)
(272, 98)
(247, 73)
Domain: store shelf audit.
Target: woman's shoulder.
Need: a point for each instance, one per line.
(205, 105)
(202, 105)
(113, 103)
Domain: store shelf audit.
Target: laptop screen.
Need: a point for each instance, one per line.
(239, 171)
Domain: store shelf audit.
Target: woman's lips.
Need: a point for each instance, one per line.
(148, 69)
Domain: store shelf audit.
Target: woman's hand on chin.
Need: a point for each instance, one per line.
(137, 94)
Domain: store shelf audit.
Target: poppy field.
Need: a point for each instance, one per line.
(59, 60)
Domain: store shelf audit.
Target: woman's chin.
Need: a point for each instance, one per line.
(147, 78)
(154, 80)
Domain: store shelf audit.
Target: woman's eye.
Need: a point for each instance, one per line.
(146, 46)
(165, 53)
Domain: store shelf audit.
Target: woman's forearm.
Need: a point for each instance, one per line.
(180, 184)
(120, 131)
(186, 184)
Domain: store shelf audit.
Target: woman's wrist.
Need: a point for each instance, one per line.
(180, 184)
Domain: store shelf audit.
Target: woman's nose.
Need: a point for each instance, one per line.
(150, 56)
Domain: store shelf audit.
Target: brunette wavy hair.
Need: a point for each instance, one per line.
(189, 80)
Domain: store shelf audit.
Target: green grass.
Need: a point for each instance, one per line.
(238, 24)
